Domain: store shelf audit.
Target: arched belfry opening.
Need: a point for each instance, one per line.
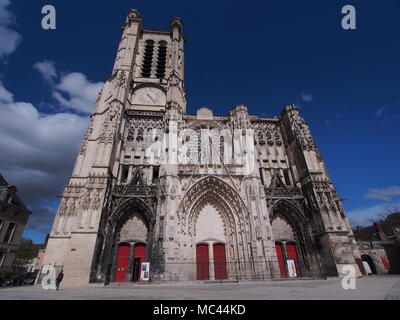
(296, 254)
(214, 220)
(129, 239)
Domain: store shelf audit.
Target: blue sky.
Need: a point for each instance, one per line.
(264, 54)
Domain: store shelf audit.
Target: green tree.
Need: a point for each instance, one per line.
(25, 253)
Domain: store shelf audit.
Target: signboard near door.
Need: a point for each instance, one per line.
(291, 268)
(145, 272)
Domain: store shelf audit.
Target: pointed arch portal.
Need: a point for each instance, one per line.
(129, 232)
(217, 243)
(285, 223)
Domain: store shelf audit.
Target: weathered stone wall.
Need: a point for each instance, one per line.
(249, 181)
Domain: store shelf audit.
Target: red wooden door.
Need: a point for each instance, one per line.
(122, 263)
(281, 259)
(220, 262)
(202, 262)
(292, 255)
(140, 253)
(385, 263)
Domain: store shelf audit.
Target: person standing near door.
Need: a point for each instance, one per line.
(59, 279)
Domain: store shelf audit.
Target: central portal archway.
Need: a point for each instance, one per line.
(214, 219)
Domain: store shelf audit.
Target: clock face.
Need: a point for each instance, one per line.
(149, 96)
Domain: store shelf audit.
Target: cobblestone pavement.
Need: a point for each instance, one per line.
(372, 288)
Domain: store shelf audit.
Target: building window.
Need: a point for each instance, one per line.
(199, 141)
(287, 178)
(162, 59)
(161, 229)
(3, 254)
(221, 147)
(156, 174)
(9, 233)
(124, 174)
(262, 176)
(7, 198)
(147, 58)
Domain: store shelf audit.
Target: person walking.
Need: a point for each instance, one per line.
(59, 279)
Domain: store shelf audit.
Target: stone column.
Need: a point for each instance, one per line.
(129, 273)
(130, 174)
(211, 259)
(150, 177)
(285, 257)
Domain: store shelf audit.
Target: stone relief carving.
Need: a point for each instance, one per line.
(301, 131)
(121, 79)
(251, 192)
(143, 132)
(62, 209)
(71, 211)
(268, 134)
(96, 202)
(86, 137)
(86, 200)
(111, 123)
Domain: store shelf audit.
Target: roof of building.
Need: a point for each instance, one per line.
(3, 182)
(15, 198)
(370, 233)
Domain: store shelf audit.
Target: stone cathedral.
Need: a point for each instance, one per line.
(197, 196)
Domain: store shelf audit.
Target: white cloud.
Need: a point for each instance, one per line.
(379, 112)
(386, 194)
(6, 16)
(81, 93)
(5, 95)
(363, 216)
(391, 118)
(9, 39)
(307, 97)
(73, 91)
(47, 70)
(37, 150)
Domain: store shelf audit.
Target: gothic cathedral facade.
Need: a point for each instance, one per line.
(199, 197)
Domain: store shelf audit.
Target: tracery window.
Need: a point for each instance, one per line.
(147, 59)
(125, 174)
(161, 59)
(221, 147)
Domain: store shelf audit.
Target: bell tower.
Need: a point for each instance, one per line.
(157, 66)
(146, 82)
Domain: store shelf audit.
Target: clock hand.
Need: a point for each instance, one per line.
(150, 97)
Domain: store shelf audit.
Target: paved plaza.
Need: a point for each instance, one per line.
(372, 288)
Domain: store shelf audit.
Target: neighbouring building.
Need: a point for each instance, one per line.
(379, 245)
(13, 218)
(37, 263)
(198, 196)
